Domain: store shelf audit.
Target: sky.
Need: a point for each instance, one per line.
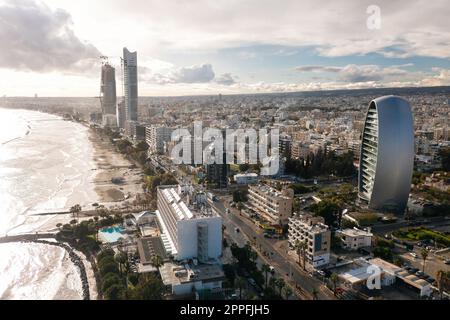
(53, 47)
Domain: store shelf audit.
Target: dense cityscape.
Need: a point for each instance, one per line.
(220, 167)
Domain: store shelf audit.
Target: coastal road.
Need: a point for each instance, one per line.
(282, 264)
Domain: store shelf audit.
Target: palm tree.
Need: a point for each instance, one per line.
(443, 281)
(266, 269)
(334, 279)
(287, 292)
(315, 294)
(280, 285)
(121, 259)
(424, 253)
(301, 247)
(75, 210)
(241, 282)
(157, 261)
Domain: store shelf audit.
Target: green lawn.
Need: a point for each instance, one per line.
(417, 234)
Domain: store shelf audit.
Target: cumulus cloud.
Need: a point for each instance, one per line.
(203, 73)
(38, 39)
(225, 79)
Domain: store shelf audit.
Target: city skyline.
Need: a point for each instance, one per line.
(209, 48)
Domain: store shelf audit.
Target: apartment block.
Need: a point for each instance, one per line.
(316, 234)
(275, 206)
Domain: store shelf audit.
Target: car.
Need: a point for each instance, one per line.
(447, 261)
(237, 230)
(272, 269)
(413, 270)
(413, 254)
(430, 279)
(267, 235)
(420, 274)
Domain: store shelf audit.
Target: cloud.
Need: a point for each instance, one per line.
(353, 73)
(225, 79)
(167, 73)
(36, 38)
(318, 69)
(193, 74)
(333, 28)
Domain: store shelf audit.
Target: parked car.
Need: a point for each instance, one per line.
(447, 261)
(413, 270)
(237, 230)
(413, 254)
(272, 269)
(420, 274)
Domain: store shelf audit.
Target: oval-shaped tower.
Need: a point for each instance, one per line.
(387, 154)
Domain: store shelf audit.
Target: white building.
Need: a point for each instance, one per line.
(189, 227)
(246, 178)
(316, 234)
(156, 138)
(185, 279)
(353, 239)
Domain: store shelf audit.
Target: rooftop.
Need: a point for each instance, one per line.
(176, 274)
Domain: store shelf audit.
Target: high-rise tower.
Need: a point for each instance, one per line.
(130, 84)
(387, 154)
(108, 95)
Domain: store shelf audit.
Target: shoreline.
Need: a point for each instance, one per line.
(111, 165)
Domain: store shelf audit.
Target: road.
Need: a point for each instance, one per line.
(291, 272)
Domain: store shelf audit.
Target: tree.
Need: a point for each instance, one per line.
(157, 261)
(241, 283)
(120, 258)
(115, 292)
(334, 278)
(315, 294)
(75, 210)
(443, 281)
(301, 247)
(280, 283)
(287, 292)
(266, 269)
(424, 254)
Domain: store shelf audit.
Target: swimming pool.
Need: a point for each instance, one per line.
(112, 234)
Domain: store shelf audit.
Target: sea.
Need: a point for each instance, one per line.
(46, 166)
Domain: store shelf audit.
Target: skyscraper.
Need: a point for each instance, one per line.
(130, 84)
(108, 94)
(387, 154)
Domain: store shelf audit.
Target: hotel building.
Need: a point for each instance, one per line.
(190, 229)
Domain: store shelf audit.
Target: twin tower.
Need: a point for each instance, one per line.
(113, 114)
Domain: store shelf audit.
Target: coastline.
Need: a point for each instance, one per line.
(110, 165)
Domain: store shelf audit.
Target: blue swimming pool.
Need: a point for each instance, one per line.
(112, 234)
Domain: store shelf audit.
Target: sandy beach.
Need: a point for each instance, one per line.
(113, 165)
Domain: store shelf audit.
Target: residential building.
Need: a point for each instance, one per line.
(185, 279)
(317, 236)
(275, 206)
(387, 154)
(246, 178)
(353, 239)
(121, 115)
(157, 137)
(190, 229)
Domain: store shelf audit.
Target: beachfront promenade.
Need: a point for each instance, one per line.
(40, 238)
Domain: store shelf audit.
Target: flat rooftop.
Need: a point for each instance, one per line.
(176, 274)
(148, 247)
